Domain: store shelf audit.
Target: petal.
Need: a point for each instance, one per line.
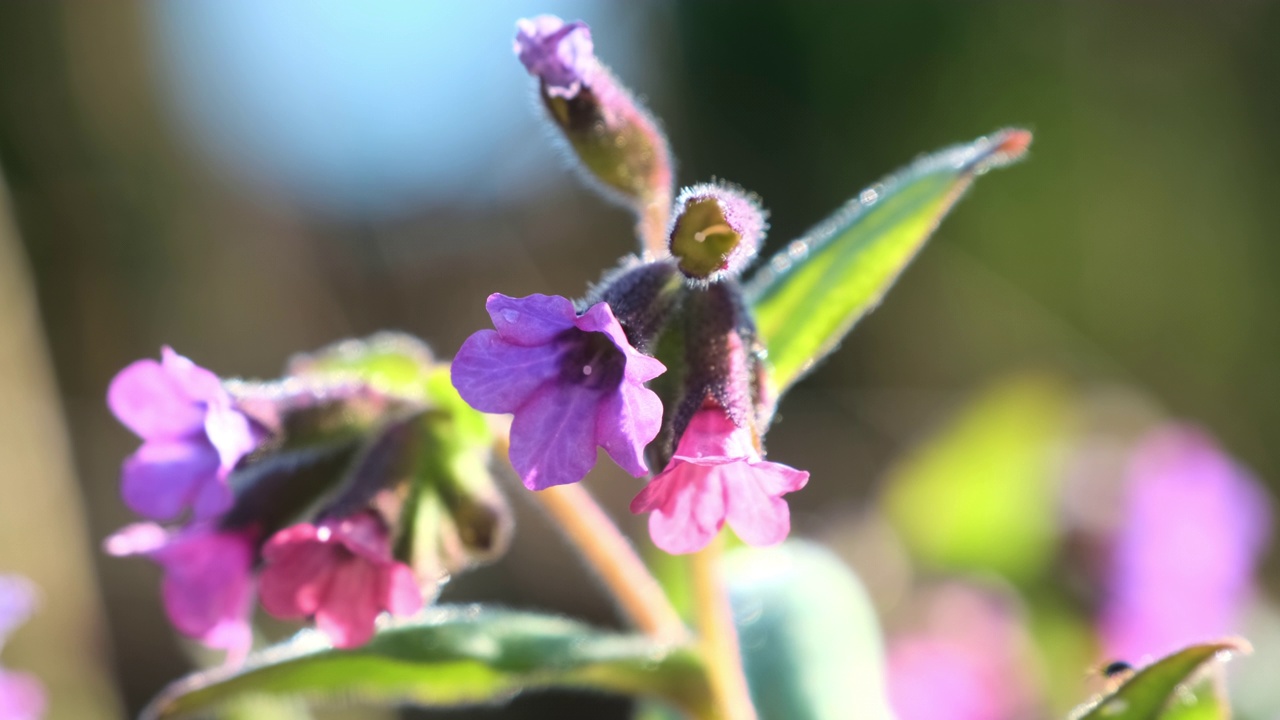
(757, 517)
(496, 376)
(365, 534)
(21, 696)
(152, 403)
(712, 434)
(230, 433)
(351, 603)
(688, 507)
(532, 320)
(553, 436)
(297, 569)
(196, 382)
(137, 539)
(404, 597)
(207, 580)
(778, 479)
(162, 478)
(629, 419)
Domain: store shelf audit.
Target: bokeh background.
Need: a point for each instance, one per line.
(245, 180)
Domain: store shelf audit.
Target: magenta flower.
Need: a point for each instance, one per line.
(192, 437)
(717, 475)
(560, 54)
(573, 383)
(207, 587)
(1194, 529)
(21, 695)
(342, 572)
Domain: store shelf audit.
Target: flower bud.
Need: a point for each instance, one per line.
(717, 231)
(614, 137)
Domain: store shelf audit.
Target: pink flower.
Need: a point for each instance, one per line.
(560, 54)
(207, 587)
(573, 382)
(192, 437)
(717, 475)
(1194, 530)
(342, 572)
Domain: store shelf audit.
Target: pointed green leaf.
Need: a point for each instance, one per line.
(449, 657)
(1159, 690)
(810, 295)
(810, 639)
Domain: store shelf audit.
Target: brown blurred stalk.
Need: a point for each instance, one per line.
(42, 526)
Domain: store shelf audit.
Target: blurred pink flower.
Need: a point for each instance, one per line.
(558, 53)
(208, 584)
(1194, 527)
(342, 572)
(717, 475)
(966, 661)
(21, 695)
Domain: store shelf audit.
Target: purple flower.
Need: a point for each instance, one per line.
(717, 475)
(573, 383)
(192, 437)
(21, 695)
(342, 572)
(207, 587)
(559, 53)
(1195, 525)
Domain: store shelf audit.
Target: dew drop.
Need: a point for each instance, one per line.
(868, 196)
(586, 369)
(1114, 707)
(511, 316)
(323, 534)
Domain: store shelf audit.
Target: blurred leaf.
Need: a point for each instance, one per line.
(980, 495)
(810, 640)
(449, 657)
(810, 295)
(1158, 691)
(392, 362)
(1203, 702)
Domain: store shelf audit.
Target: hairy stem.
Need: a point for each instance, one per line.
(607, 551)
(717, 635)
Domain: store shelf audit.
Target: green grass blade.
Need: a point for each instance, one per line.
(810, 295)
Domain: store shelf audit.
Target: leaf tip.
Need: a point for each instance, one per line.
(1003, 147)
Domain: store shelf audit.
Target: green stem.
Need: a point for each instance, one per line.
(718, 637)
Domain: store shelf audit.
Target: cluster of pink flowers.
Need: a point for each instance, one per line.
(339, 570)
(575, 378)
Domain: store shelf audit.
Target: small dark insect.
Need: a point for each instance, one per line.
(1115, 668)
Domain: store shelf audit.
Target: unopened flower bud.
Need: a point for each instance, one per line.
(613, 136)
(717, 231)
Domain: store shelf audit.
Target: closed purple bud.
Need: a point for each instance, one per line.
(616, 140)
(556, 52)
(717, 231)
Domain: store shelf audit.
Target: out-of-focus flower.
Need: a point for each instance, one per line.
(192, 437)
(717, 475)
(21, 695)
(966, 662)
(1194, 526)
(559, 53)
(207, 587)
(573, 382)
(341, 572)
(717, 231)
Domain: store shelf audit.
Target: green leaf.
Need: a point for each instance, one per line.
(810, 295)
(982, 495)
(449, 657)
(810, 640)
(1159, 691)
